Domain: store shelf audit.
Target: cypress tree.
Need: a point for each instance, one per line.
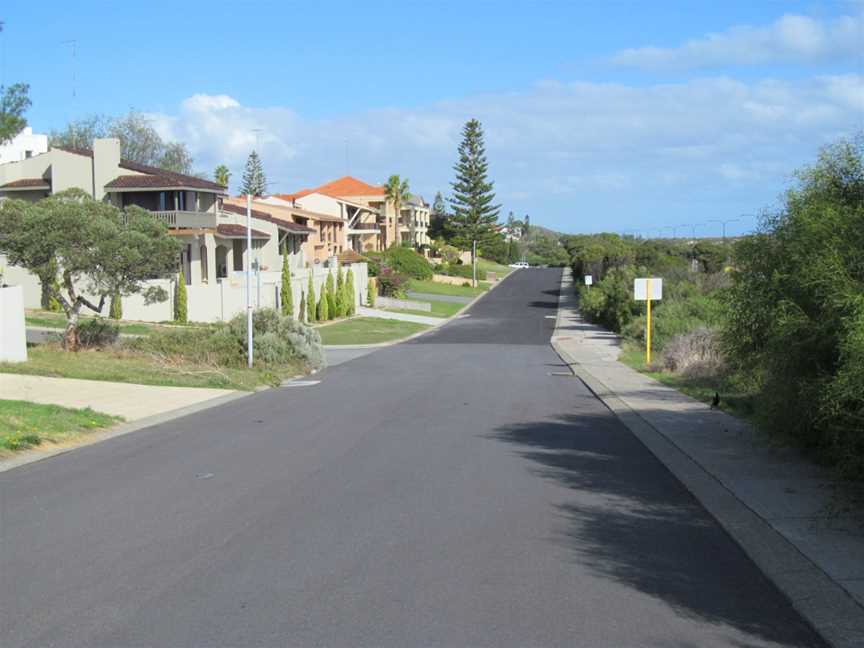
(340, 294)
(254, 181)
(330, 293)
(302, 314)
(323, 311)
(310, 301)
(474, 213)
(351, 302)
(286, 293)
(180, 305)
(370, 293)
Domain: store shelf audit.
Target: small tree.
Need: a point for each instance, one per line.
(254, 182)
(70, 241)
(286, 293)
(115, 310)
(330, 293)
(14, 102)
(180, 300)
(370, 293)
(222, 175)
(302, 314)
(310, 301)
(474, 214)
(396, 191)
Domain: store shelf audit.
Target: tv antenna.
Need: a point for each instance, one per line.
(72, 43)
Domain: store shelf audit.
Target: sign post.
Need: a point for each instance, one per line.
(648, 290)
(589, 280)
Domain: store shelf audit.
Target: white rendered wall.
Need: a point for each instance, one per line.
(13, 334)
(16, 150)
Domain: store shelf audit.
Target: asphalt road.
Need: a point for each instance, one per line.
(450, 491)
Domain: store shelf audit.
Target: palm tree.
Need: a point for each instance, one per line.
(221, 175)
(396, 191)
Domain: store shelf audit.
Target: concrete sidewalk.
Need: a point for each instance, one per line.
(132, 402)
(363, 311)
(785, 512)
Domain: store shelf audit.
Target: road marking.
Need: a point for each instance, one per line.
(301, 383)
(203, 475)
(551, 317)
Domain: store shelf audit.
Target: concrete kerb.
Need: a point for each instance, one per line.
(32, 456)
(820, 600)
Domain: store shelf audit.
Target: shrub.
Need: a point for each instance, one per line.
(464, 271)
(285, 292)
(694, 354)
(277, 339)
(330, 292)
(391, 283)
(323, 313)
(310, 301)
(97, 333)
(370, 292)
(407, 262)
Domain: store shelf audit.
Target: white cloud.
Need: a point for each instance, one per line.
(790, 39)
(555, 148)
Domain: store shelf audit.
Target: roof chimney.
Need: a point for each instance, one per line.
(106, 164)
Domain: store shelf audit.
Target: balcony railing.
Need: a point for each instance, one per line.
(177, 218)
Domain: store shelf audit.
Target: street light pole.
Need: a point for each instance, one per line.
(249, 279)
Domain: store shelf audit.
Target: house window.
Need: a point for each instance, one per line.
(239, 246)
(28, 154)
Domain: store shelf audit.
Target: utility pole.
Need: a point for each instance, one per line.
(474, 263)
(249, 279)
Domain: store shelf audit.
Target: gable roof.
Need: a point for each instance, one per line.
(344, 186)
(27, 184)
(152, 178)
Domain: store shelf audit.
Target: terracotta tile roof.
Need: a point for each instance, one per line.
(28, 183)
(239, 231)
(283, 223)
(344, 186)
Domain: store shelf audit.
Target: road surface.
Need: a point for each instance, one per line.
(450, 491)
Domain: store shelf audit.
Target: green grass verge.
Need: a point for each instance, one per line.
(368, 330)
(118, 365)
(435, 288)
(734, 398)
(439, 309)
(47, 319)
(24, 424)
(491, 266)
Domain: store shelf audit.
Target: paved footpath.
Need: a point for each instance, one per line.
(132, 402)
(784, 511)
(363, 311)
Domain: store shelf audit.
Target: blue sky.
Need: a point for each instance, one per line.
(599, 115)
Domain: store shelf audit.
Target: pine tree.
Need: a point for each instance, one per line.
(474, 214)
(286, 293)
(438, 219)
(351, 304)
(330, 293)
(254, 181)
(302, 314)
(310, 301)
(180, 304)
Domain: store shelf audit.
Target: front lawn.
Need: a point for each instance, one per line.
(25, 425)
(439, 309)
(121, 365)
(491, 266)
(47, 319)
(368, 330)
(435, 288)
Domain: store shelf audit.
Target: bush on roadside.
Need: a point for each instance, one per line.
(391, 283)
(97, 333)
(408, 262)
(463, 271)
(695, 354)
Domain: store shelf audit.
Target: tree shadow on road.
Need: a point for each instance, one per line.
(630, 520)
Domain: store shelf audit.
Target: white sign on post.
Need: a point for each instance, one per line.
(640, 289)
(589, 280)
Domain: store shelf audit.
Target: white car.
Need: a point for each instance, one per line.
(520, 264)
